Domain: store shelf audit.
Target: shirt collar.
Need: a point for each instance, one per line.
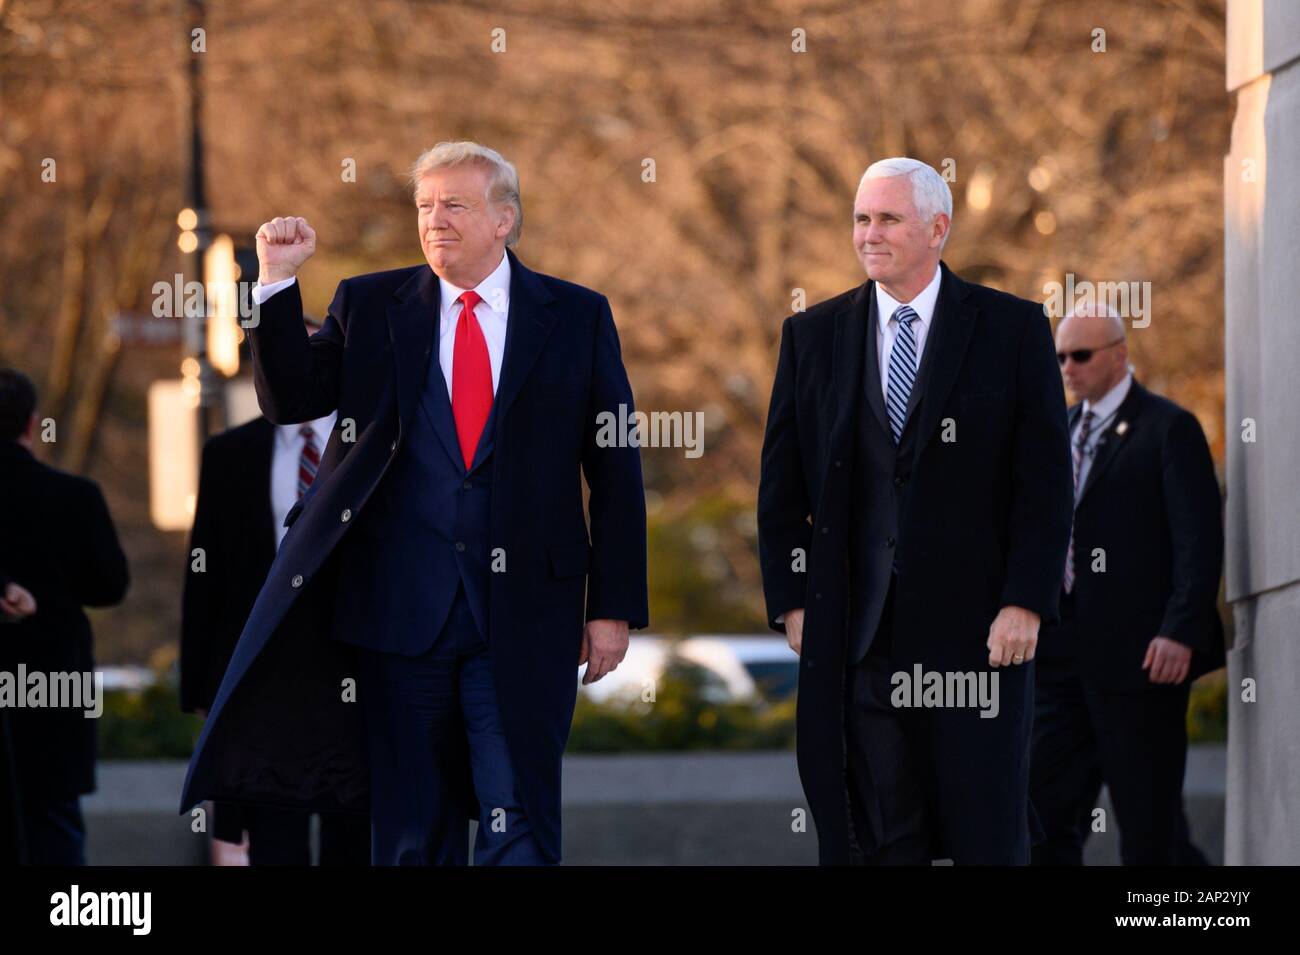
(287, 434)
(1111, 400)
(494, 290)
(923, 304)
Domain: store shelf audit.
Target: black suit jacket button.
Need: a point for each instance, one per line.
(460, 546)
(898, 482)
(346, 515)
(839, 463)
(467, 485)
(826, 530)
(889, 542)
(297, 581)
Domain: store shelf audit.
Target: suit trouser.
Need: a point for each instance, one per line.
(283, 836)
(1133, 741)
(55, 833)
(413, 706)
(887, 802)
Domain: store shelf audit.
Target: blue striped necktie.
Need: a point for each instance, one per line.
(902, 370)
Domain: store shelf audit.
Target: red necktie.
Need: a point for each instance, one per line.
(471, 378)
(308, 461)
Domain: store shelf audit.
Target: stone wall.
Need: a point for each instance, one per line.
(1262, 342)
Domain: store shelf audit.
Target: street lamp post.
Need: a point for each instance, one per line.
(201, 380)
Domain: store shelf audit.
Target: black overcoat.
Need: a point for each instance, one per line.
(985, 523)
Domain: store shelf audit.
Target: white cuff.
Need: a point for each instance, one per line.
(262, 292)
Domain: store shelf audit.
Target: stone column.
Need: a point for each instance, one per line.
(1262, 341)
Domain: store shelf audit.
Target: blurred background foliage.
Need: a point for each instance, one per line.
(1065, 159)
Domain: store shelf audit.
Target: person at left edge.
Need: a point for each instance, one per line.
(58, 541)
(443, 542)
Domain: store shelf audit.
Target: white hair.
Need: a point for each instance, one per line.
(930, 194)
(503, 180)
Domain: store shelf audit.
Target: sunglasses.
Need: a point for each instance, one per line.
(1083, 355)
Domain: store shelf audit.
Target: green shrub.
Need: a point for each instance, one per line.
(1207, 709)
(146, 724)
(680, 718)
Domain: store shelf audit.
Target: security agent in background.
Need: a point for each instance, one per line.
(1138, 609)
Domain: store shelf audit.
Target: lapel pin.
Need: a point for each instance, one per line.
(1121, 428)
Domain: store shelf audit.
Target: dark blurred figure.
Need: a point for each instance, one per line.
(251, 476)
(58, 545)
(1115, 674)
(16, 603)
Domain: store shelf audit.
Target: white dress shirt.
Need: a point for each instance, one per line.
(491, 313)
(1102, 414)
(285, 455)
(262, 292)
(887, 327)
(887, 330)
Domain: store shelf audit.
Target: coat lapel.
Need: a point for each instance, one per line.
(871, 374)
(1114, 437)
(413, 322)
(954, 321)
(527, 327)
(438, 410)
(412, 319)
(849, 350)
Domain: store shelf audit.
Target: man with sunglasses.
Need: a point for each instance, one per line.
(1138, 617)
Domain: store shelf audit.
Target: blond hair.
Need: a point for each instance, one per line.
(503, 180)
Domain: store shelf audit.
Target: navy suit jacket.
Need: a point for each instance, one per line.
(283, 729)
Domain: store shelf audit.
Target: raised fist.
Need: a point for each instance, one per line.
(283, 245)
